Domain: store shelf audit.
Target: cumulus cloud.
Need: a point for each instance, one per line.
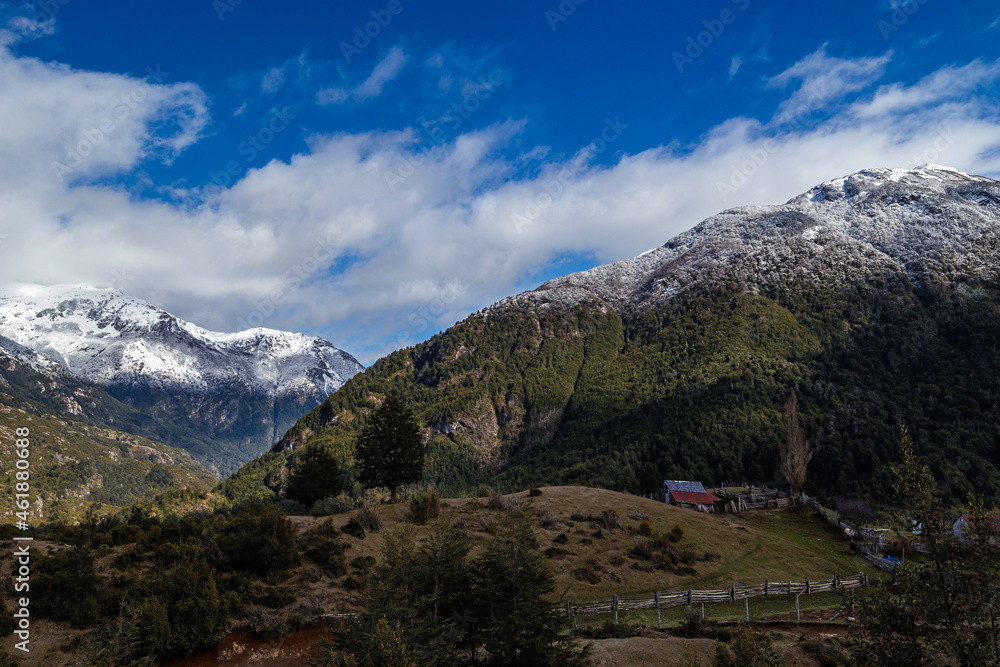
(378, 241)
(58, 124)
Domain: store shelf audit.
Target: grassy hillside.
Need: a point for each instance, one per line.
(210, 562)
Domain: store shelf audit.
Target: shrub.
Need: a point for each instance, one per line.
(547, 520)
(352, 583)
(749, 648)
(642, 549)
(535, 492)
(561, 538)
(425, 506)
(130, 558)
(369, 517)
(125, 534)
(676, 533)
(611, 520)
(496, 500)
(587, 574)
(276, 598)
(363, 563)
(555, 552)
(616, 560)
(645, 528)
(261, 540)
(354, 528)
(333, 505)
(598, 534)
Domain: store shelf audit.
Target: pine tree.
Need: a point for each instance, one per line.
(316, 476)
(649, 481)
(517, 624)
(389, 451)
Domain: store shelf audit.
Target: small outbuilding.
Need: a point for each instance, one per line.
(690, 495)
(964, 523)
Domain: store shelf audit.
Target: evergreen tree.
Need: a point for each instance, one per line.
(649, 481)
(946, 609)
(389, 451)
(516, 623)
(316, 476)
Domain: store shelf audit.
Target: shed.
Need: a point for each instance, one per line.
(964, 523)
(689, 494)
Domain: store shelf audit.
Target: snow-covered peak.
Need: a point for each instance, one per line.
(876, 219)
(111, 338)
(866, 180)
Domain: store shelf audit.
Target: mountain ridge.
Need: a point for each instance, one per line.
(257, 381)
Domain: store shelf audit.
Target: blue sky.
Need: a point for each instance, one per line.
(374, 171)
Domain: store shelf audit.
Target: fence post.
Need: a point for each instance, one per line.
(703, 611)
(732, 593)
(765, 587)
(746, 609)
(614, 606)
(797, 608)
(656, 597)
(569, 611)
(852, 603)
(690, 597)
(807, 585)
(789, 588)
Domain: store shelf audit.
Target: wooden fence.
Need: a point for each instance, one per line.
(731, 594)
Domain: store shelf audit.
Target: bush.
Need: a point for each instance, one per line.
(425, 506)
(676, 533)
(587, 574)
(369, 518)
(642, 549)
(130, 558)
(749, 648)
(496, 501)
(261, 540)
(547, 520)
(856, 511)
(354, 528)
(561, 538)
(555, 552)
(333, 505)
(363, 563)
(535, 493)
(276, 598)
(611, 520)
(645, 528)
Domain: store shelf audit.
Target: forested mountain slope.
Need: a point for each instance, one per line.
(875, 296)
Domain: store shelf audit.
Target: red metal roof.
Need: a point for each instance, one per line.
(693, 497)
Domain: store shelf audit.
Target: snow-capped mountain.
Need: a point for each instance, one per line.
(247, 385)
(873, 220)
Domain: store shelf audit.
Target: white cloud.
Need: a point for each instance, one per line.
(385, 71)
(59, 124)
(323, 242)
(273, 80)
(734, 66)
(824, 79)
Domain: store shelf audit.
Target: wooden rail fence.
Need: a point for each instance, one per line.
(731, 594)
